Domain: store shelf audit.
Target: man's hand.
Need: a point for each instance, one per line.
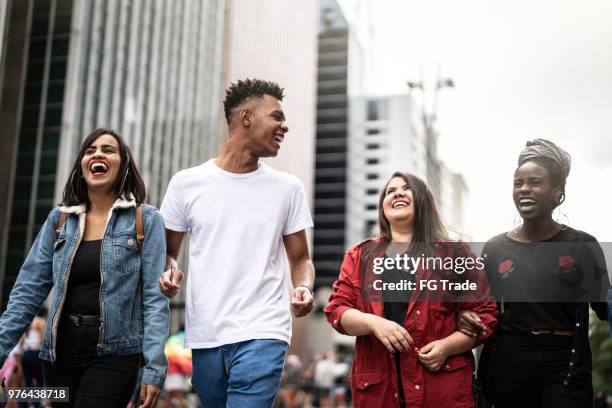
(391, 335)
(469, 323)
(301, 301)
(149, 394)
(433, 355)
(169, 281)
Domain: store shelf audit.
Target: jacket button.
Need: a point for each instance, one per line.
(335, 321)
(395, 395)
(447, 366)
(573, 350)
(416, 387)
(130, 242)
(365, 384)
(418, 312)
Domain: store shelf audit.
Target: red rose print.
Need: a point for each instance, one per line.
(505, 266)
(567, 262)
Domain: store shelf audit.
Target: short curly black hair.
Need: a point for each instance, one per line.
(243, 90)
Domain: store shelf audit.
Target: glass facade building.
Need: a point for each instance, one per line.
(331, 143)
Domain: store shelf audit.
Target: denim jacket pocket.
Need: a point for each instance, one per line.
(125, 250)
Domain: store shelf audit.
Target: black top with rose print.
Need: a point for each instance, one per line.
(545, 284)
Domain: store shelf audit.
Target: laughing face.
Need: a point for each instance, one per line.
(268, 126)
(398, 204)
(101, 163)
(533, 193)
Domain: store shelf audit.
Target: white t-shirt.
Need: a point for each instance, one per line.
(237, 286)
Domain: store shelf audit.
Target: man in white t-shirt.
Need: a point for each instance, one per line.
(242, 217)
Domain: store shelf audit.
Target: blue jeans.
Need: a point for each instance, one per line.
(245, 374)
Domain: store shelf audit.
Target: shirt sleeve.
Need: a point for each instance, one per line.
(298, 216)
(173, 207)
(345, 293)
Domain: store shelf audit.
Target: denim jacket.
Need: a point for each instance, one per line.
(134, 313)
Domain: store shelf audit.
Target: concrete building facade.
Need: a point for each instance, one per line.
(386, 135)
(276, 40)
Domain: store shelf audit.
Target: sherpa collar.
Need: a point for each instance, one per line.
(121, 202)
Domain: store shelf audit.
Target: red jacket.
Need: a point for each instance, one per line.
(374, 382)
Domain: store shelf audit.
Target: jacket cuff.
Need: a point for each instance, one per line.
(491, 326)
(334, 318)
(150, 376)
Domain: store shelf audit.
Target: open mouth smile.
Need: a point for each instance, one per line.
(526, 203)
(98, 167)
(400, 204)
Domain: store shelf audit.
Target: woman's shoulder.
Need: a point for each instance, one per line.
(150, 213)
(149, 209)
(576, 235)
(361, 244)
(497, 238)
(54, 215)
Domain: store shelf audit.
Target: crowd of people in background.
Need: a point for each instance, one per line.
(323, 382)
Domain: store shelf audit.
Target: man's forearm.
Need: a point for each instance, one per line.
(303, 274)
(174, 241)
(171, 262)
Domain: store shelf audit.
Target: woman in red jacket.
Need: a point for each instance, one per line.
(408, 353)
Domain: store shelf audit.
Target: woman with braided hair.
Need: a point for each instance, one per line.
(544, 274)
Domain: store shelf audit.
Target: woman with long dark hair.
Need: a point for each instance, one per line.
(407, 352)
(107, 316)
(544, 274)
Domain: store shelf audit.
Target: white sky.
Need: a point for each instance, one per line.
(522, 69)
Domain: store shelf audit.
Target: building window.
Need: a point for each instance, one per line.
(371, 191)
(373, 109)
(373, 131)
(372, 176)
(369, 227)
(373, 146)
(372, 161)
(376, 109)
(370, 207)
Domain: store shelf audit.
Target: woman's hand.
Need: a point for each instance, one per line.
(468, 323)
(392, 335)
(433, 355)
(149, 394)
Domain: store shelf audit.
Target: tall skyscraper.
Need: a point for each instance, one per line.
(150, 69)
(331, 142)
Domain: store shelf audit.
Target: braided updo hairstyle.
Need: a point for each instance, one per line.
(550, 156)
